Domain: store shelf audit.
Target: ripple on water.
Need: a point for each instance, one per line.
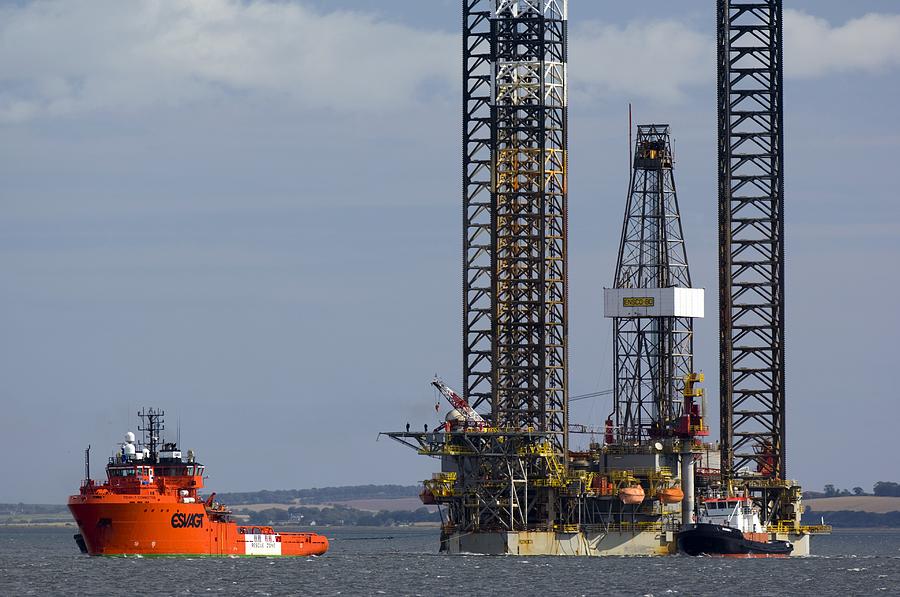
(45, 561)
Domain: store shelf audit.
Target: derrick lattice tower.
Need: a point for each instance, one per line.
(652, 302)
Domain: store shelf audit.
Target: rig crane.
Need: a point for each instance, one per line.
(471, 416)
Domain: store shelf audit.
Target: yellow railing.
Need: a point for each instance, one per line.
(556, 471)
(627, 527)
(442, 485)
(769, 483)
(788, 527)
(816, 529)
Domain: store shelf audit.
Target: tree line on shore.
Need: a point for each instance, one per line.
(338, 516)
(881, 488)
(319, 495)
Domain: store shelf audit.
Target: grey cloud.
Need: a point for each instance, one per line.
(129, 56)
(815, 48)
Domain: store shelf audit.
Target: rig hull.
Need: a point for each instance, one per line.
(583, 543)
(548, 543)
(126, 525)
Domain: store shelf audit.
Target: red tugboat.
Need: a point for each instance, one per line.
(150, 505)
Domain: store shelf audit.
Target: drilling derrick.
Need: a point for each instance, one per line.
(653, 306)
(652, 302)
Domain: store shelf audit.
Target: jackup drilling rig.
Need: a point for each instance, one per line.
(509, 482)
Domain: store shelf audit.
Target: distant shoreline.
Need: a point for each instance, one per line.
(418, 525)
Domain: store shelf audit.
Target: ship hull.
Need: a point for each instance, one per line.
(110, 525)
(712, 539)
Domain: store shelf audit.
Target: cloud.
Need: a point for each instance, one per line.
(814, 48)
(62, 57)
(656, 59)
(664, 60)
(78, 55)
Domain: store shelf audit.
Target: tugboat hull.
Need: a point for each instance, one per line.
(712, 539)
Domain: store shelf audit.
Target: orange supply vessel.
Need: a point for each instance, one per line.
(150, 505)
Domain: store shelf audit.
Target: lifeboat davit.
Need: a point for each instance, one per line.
(632, 495)
(671, 495)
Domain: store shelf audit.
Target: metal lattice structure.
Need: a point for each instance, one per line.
(514, 184)
(751, 238)
(478, 209)
(510, 471)
(506, 473)
(529, 198)
(652, 354)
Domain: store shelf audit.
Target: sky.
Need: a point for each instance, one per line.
(249, 214)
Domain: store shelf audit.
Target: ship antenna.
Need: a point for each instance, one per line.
(87, 464)
(152, 428)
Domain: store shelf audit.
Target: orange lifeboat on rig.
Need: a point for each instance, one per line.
(671, 495)
(632, 495)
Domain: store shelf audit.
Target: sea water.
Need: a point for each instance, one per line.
(404, 561)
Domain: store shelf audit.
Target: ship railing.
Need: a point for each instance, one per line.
(660, 472)
(765, 483)
(789, 528)
(816, 529)
(629, 527)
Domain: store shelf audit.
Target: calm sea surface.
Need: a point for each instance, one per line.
(406, 562)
